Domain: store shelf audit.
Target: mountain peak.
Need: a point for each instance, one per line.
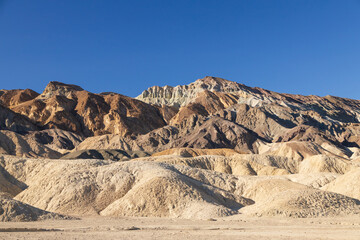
(211, 79)
(59, 88)
(183, 94)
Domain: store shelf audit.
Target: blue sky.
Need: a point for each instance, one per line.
(293, 46)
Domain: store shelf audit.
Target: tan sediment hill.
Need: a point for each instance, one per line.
(323, 163)
(9, 185)
(151, 188)
(15, 211)
(286, 198)
(253, 164)
(239, 164)
(120, 189)
(347, 184)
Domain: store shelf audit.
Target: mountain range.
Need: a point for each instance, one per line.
(208, 113)
(206, 150)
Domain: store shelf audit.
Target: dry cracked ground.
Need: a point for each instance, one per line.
(211, 159)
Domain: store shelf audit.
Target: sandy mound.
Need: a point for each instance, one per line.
(156, 189)
(280, 197)
(122, 189)
(315, 180)
(175, 195)
(13, 211)
(322, 163)
(8, 184)
(347, 184)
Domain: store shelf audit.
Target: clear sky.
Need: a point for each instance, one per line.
(293, 46)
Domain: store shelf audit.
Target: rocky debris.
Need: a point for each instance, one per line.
(194, 152)
(107, 154)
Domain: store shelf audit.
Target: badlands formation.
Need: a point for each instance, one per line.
(207, 150)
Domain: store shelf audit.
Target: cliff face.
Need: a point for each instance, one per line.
(183, 94)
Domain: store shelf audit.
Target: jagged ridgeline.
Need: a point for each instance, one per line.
(208, 113)
(212, 148)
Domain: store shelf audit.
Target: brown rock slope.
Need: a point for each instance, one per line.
(204, 104)
(12, 121)
(195, 133)
(15, 144)
(69, 107)
(10, 98)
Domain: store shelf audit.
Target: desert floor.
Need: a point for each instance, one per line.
(236, 227)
